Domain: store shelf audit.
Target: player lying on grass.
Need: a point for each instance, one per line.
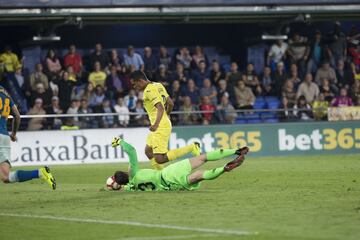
(8, 107)
(176, 176)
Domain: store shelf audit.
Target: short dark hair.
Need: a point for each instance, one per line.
(121, 177)
(137, 75)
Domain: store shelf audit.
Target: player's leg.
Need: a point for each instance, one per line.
(8, 176)
(149, 152)
(214, 173)
(216, 155)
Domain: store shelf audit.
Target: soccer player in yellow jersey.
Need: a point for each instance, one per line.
(158, 106)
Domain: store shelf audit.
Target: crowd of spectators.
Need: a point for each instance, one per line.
(307, 74)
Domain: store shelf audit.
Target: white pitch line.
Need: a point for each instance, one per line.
(140, 224)
(170, 237)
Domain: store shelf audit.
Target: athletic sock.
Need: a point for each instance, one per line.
(155, 165)
(213, 173)
(219, 154)
(179, 152)
(23, 176)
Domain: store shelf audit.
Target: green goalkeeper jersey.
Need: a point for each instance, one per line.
(141, 179)
(146, 180)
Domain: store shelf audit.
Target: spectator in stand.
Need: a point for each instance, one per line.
(114, 84)
(355, 91)
(69, 124)
(343, 100)
(97, 77)
(72, 75)
(216, 73)
(54, 123)
(123, 111)
(224, 90)
(276, 54)
(320, 107)
(87, 92)
(199, 56)
(41, 93)
(337, 44)
(234, 75)
(316, 54)
(38, 122)
(52, 64)
(115, 60)
(164, 57)
(188, 117)
(180, 75)
(141, 119)
(66, 87)
(9, 61)
(99, 56)
(85, 122)
(130, 100)
(150, 62)
(251, 80)
(245, 98)
(302, 110)
(97, 99)
(289, 92)
(343, 75)
(354, 53)
(308, 89)
(326, 90)
(38, 77)
(288, 114)
(175, 94)
(326, 71)
(298, 52)
(19, 78)
(109, 120)
(225, 111)
(279, 77)
(133, 58)
(162, 76)
(74, 107)
(200, 74)
(192, 92)
(73, 59)
(184, 57)
(294, 76)
(267, 82)
(207, 117)
(209, 91)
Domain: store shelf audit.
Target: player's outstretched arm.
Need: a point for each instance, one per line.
(169, 105)
(131, 151)
(15, 122)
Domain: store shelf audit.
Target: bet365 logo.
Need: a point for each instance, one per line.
(327, 139)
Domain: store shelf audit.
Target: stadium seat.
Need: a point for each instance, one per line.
(260, 103)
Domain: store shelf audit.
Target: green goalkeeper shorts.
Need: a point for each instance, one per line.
(175, 176)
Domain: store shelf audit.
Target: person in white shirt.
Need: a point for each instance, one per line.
(276, 53)
(123, 111)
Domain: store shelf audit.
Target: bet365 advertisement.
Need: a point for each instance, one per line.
(93, 146)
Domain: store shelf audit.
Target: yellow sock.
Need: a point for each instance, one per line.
(179, 152)
(156, 165)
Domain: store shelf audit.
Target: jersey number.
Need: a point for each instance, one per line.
(146, 186)
(5, 107)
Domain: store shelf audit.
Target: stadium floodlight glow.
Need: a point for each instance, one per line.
(47, 38)
(274, 37)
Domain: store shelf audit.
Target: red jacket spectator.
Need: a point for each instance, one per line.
(207, 106)
(73, 59)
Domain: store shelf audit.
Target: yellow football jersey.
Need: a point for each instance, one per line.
(156, 93)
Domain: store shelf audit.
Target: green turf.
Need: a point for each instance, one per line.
(312, 197)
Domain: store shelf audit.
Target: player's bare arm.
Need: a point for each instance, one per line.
(160, 112)
(169, 105)
(15, 123)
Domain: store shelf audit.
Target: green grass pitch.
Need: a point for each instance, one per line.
(308, 197)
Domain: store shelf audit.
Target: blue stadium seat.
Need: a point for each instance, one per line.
(260, 103)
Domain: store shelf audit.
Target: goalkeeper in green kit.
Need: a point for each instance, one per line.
(176, 176)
